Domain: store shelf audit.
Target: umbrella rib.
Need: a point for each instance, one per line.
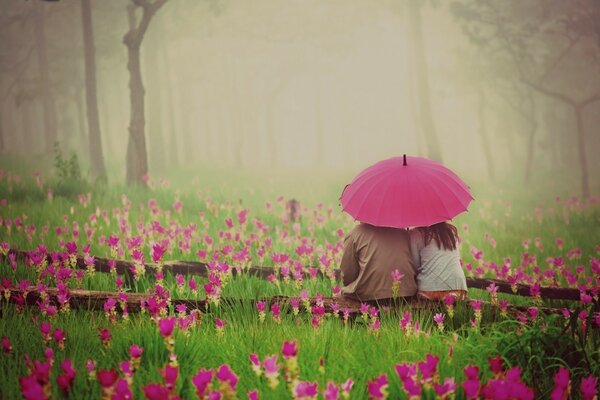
(443, 182)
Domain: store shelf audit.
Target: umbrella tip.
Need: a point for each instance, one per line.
(404, 157)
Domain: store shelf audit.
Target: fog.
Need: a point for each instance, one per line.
(502, 90)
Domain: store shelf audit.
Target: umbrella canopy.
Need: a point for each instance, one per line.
(405, 191)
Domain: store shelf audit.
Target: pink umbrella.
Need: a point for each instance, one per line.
(405, 191)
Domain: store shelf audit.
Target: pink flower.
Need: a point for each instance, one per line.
(107, 378)
(496, 365)
(31, 389)
(166, 326)
(105, 336)
(471, 384)
(122, 391)
(476, 305)
(157, 252)
(332, 392)
(60, 336)
(412, 387)
(226, 375)
(588, 388)
(135, 351)
(271, 366)
(170, 374)
(449, 300)
(252, 394)
(378, 387)
(405, 371)
(6, 346)
(289, 349)
(446, 389)
(306, 390)
(428, 367)
(201, 381)
(65, 380)
(156, 391)
(261, 306)
(561, 384)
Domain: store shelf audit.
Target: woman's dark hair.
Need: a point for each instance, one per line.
(444, 234)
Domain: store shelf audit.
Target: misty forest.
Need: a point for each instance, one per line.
(196, 196)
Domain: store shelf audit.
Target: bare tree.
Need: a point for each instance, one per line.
(48, 105)
(137, 158)
(95, 142)
(540, 38)
(425, 116)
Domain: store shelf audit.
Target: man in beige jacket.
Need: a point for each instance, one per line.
(370, 255)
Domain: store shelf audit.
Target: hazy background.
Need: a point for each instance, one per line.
(493, 89)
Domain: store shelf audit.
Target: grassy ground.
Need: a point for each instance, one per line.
(497, 224)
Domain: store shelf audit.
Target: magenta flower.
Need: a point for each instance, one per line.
(105, 336)
(157, 252)
(31, 389)
(428, 367)
(261, 306)
(271, 366)
(6, 346)
(135, 351)
(412, 387)
(406, 371)
(255, 361)
(201, 381)
(170, 374)
(60, 337)
(156, 391)
(122, 391)
(166, 326)
(588, 388)
(561, 384)
(226, 375)
(107, 378)
(496, 365)
(289, 349)
(252, 394)
(378, 387)
(471, 384)
(446, 389)
(332, 392)
(109, 305)
(476, 305)
(65, 380)
(347, 386)
(306, 390)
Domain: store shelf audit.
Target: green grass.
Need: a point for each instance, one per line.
(348, 350)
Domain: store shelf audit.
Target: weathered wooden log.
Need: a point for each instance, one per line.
(525, 290)
(199, 268)
(95, 300)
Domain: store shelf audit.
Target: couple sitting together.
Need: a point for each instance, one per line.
(428, 258)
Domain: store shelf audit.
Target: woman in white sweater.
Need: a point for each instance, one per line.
(435, 254)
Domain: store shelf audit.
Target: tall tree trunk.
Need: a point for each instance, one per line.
(2, 141)
(156, 143)
(172, 131)
(422, 78)
(48, 105)
(91, 99)
(585, 182)
(578, 108)
(485, 141)
(81, 128)
(137, 157)
(320, 142)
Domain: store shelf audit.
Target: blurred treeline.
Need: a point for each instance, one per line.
(492, 88)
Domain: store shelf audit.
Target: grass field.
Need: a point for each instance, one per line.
(245, 220)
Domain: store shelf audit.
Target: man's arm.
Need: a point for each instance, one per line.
(349, 266)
